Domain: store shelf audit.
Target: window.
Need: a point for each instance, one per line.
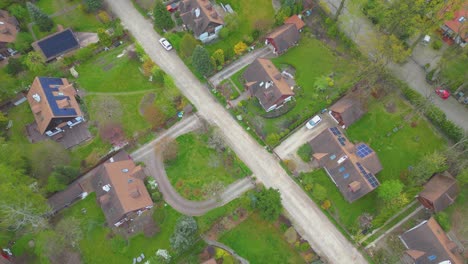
(341, 169)
(332, 157)
(346, 176)
(462, 19)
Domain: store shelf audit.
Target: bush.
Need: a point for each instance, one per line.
(444, 221)
(104, 17)
(305, 152)
(272, 139)
(14, 66)
(436, 44)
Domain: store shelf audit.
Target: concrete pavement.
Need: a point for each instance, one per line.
(364, 34)
(308, 219)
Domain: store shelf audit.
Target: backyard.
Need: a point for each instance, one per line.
(203, 165)
(311, 60)
(395, 149)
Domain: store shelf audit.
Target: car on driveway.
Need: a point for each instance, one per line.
(442, 93)
(165, 44)
(313, 122)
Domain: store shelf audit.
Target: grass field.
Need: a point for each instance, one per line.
(260, 242)
(396, 152)
(197, 166)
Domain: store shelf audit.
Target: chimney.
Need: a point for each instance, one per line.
(278, 76)
(209, 6)
(354, 186)
(214, 15)
(134, 193)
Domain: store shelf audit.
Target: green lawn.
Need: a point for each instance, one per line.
(197, 166)
(311, 60)
(248, 13)
(260, 242)
(396, 152)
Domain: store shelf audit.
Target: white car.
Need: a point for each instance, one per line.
(313, 122)
(165, 44)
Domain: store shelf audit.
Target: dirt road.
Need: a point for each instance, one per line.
(323, 236)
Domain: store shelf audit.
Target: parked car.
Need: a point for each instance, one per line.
(313, 122)
(172, 7)
(442, 93)
(165, 44)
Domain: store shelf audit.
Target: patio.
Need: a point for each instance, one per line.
(69, 138)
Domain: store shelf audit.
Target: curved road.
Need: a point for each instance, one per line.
(308, 219)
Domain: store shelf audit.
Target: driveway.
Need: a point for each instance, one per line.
(308, 219)
(239, 64)
(363, 33)
(289, 147)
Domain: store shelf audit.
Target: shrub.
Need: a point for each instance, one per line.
(326, 205)
(104, 17)
(444, 221)
(436, 44)
(305, 152)
(319, 192)
(272, 139)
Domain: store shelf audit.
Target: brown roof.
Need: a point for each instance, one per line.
(8, 27)
(460, 28)
(427, 243)
(55, 102)
(207, 20)
(351, 167)
(266, 83)
(284, 37)
(441, 191)
(296, 20)
(127, 191)
(348, 110)
(210, 261)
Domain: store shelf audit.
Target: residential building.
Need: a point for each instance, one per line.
(346, 111)
(201, 17)
(285, 36)
(57, 44)
(427, 243)
(265, 82)
(439, 192)
(53, 103)
(457, 28)
(351, 167)
(9, 28)
(121, 192)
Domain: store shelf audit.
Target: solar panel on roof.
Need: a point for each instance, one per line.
(335, 131)
(346, 175)
(342, 140)
(58, 44)
(363, 150)
(49, 86)
(369, 176)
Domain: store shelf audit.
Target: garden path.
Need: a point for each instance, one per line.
(228, 249)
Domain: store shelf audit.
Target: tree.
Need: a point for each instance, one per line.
(268, 202)
(69, 230)
(162, 18)
(429, 164)
(319, 192)
(201, 61)
(46, 155)
(340, 8)
(154, 116)
(23, 42)
(231, 22)
(14, 66)
(187, 45)
(148, 66)
(305, 152)
(104, 38)
(393, 48)
(42, 20)
(463, 177)
(34, 62)
(239, 48)
(390, 190)
(92, 5)
(184, 233)
(19, 12)
(272, 139)
(218, 55)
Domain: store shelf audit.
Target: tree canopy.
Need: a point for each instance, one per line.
(184, 233)
(268, 202)
(42, 20)
(162, 18)
(201, 61)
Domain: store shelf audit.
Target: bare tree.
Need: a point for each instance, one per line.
(340, 8)
(16, 216)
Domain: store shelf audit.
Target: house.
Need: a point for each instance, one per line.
(285, 36)
(57, 44)
(351, 167)
(201, 17)
(457, 28)
(346, 111)
(265, 82)
(121, 192)
(439, 192)
(427, 243)
(53, 103)
(9, 28)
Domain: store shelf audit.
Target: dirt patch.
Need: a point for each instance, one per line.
(227, 223)
(391, 107)
(146, 101)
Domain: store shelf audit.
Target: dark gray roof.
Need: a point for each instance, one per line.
(58, 44)
(207, 20)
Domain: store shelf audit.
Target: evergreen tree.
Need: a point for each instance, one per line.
(41, 19)
(201, 61)
(93, 5)
(162, 18)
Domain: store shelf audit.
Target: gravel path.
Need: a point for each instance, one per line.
(307, 217)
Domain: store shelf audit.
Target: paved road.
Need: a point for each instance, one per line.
(309, 220)
(239, 64)
(364, 35)
(302, 136)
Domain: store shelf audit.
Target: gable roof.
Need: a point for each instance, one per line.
(351, 167)
(8, 27)
(296, 20)
(349, 109)
(458, 26)
(127, 191)
(266, 82)
(57, 44)
(441, 190)
(52, 98)
(427, 243)
(199, 15)
(284, 37)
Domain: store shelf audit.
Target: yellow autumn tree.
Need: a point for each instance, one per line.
(240, 47)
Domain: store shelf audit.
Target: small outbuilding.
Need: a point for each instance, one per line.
(439, 192)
